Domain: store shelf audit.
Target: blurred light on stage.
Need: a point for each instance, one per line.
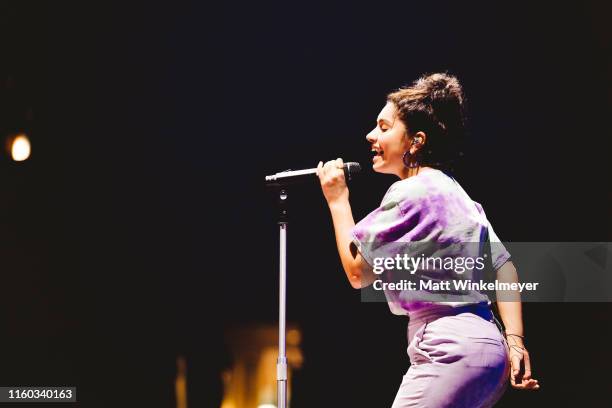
(20, 148)
(251, 380)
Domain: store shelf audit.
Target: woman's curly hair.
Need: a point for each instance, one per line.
(434, 104)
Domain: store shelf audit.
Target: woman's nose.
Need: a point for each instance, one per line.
(371, 137)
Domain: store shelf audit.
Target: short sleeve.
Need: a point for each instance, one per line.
(384, 232)
(369, 234)
(499, 253)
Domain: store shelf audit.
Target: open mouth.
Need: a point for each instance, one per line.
(377, 152)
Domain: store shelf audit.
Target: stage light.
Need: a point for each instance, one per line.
(20, 148)
(267, 406)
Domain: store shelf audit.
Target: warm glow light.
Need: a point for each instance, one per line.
(20, 148)
(267, 406)
(294, 337)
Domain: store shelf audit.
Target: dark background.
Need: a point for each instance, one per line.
(140, 228)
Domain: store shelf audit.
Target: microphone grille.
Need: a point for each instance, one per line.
(353, 167)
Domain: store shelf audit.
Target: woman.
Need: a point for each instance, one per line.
(458, 355)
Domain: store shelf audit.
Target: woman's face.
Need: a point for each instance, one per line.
(389, 142)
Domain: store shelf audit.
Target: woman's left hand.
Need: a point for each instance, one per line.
(333, 184)
(520, 366)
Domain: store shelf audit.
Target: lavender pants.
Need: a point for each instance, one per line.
(458, 358)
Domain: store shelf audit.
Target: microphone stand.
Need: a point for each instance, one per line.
(281, 181)
(281, 362)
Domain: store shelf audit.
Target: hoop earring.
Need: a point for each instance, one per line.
(410, 160)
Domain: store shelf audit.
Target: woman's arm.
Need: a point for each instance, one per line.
(510, 310)
(333, 184)
(357, 270)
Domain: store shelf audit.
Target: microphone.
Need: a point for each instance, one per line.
(289, 177)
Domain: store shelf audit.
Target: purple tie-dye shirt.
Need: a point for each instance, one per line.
(430, 207)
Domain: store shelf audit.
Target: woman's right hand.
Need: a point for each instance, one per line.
(333, 183)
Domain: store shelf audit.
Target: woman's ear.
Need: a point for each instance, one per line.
(418, 141)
